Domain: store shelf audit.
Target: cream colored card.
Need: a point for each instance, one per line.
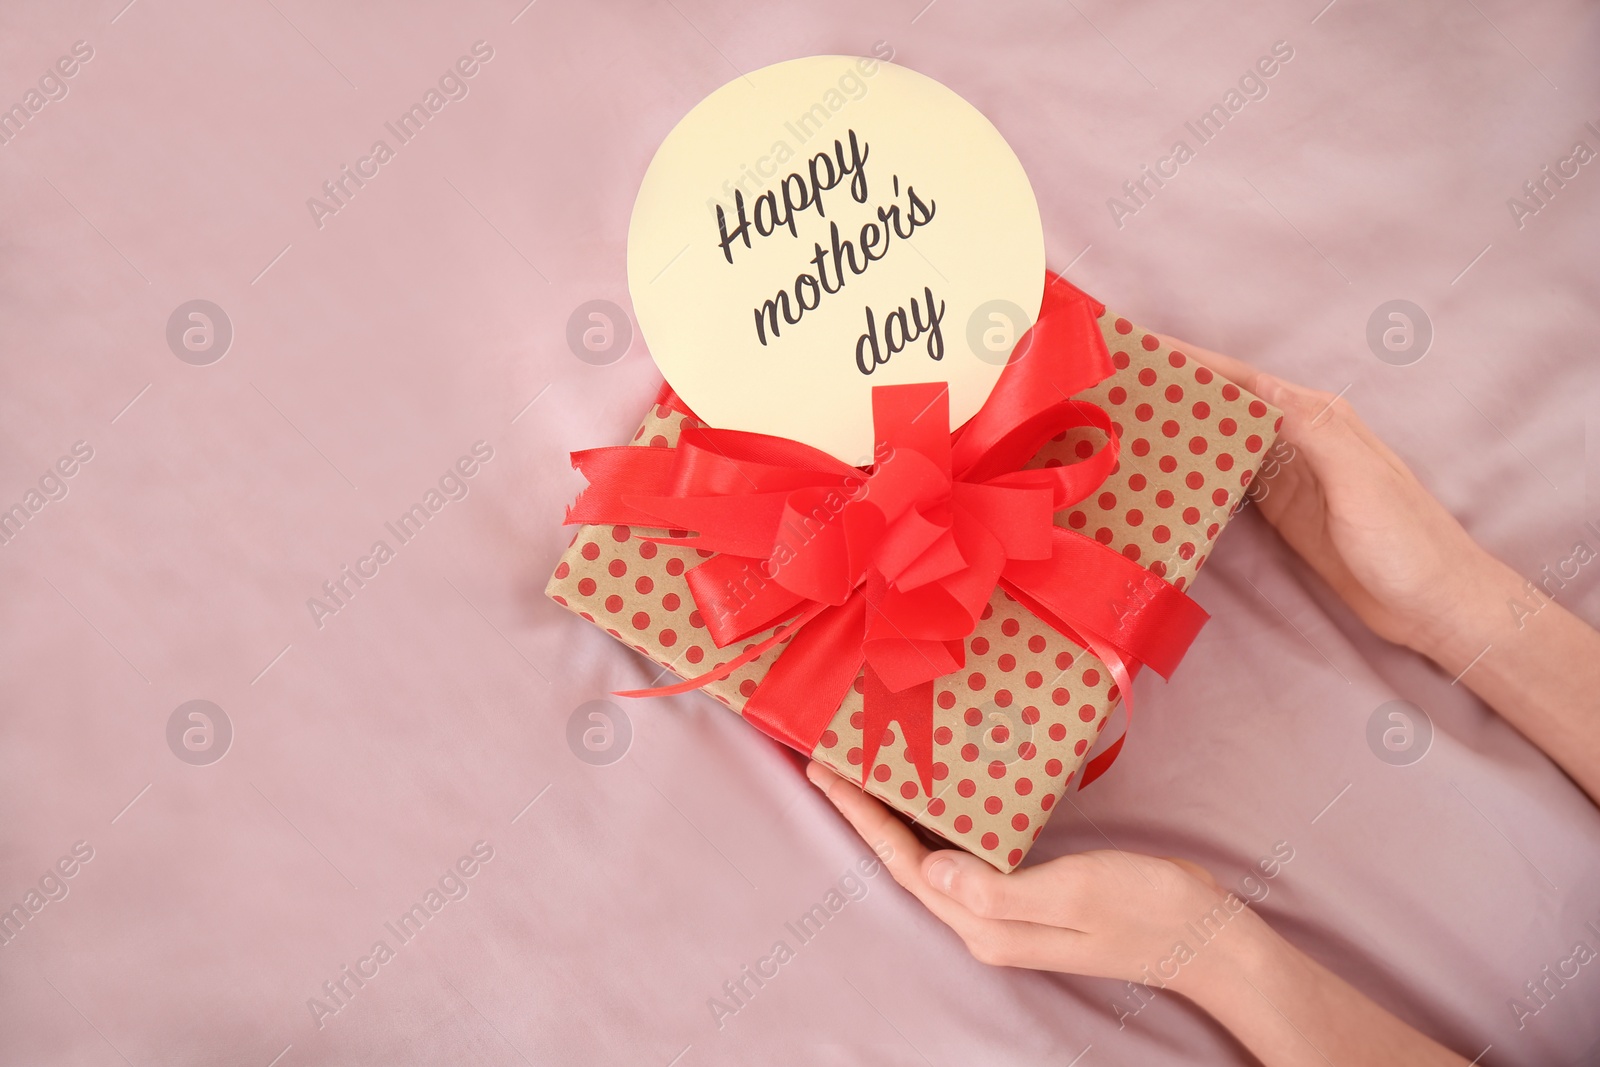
(874, 229)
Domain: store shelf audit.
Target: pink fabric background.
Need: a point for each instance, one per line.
(428, 713)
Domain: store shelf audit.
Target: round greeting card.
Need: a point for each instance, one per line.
(825, 225)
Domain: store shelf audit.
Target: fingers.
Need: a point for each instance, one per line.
(1050, 893)
(1305, 410)
(1236, 371)
(890, 838)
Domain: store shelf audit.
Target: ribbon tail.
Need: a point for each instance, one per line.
(1123, 677)
(718, 673)
(913, 709)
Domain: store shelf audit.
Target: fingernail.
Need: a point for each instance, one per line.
(818, 776)
(942, 873)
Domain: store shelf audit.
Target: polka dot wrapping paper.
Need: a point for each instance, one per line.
(1014, 726)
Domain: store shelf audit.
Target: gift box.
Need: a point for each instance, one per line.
(1017, 722)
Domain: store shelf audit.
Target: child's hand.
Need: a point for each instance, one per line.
(1359, 517)
(1105, 914)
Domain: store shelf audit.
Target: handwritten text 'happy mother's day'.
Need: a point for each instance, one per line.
(834, 264)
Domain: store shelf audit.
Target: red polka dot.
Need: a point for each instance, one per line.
(1047, 801)
(947, 699)
(1136, 482)
(1144, 412)
(1091, 677)
(992, 805)
(1076, 520)
(1058, 732)
(1150, 343)
(1019, 821)
(1014, 857)
(562, 570)
(1033, 679)
(1191, 515)
(1124, 326)
(1117, 395)
(980, 646)
(973, 717)
(936, 806)
(990, 840)
(1081, 747)
(1257, 409)
(1158, 568)
(943, 735)
(697, 620)
(829, 739)
(1060, 697)
(1230, 391)
(969, 753)
(1228, 427)
(1176, 359)
(1084, 449)
(1132, 552)
(1147, 376)
(586, 586)
(670, 602)
(1185, 551)
(1164, 498)
(881, 772)
(1030, 714)
(1140, 447)
(908, 790)
(1211, 531)
(658, 441)
(1103, 535)
(1224, 462)
(1219, 497)
(1252, 443)
(975, 680)
(648, 549)
(695, 654)
(1024, 786)
(1197, 445)
(1063, 660)
(668, 638)
(674, 566)
(1002, 697)
(617, 568)
(1135, 517)
(590, 550)
(963, 823)
(613, 603)
(644, 584)
(1087, 713)
(1194, 479)
(1168, 464)
(1119, 360)
(1201, 409)
(1010, 627)
(1052, 767)
(1036, 644)
(1174, 394)
(747, 688)
(966, 787)
(620, 533)
(997, 769)
(941, 771)
(1170, 428)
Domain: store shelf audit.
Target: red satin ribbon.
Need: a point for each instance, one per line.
(889, 568)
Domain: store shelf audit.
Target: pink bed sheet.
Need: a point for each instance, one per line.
(412, 737)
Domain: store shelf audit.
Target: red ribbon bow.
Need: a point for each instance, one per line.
(890, 567)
